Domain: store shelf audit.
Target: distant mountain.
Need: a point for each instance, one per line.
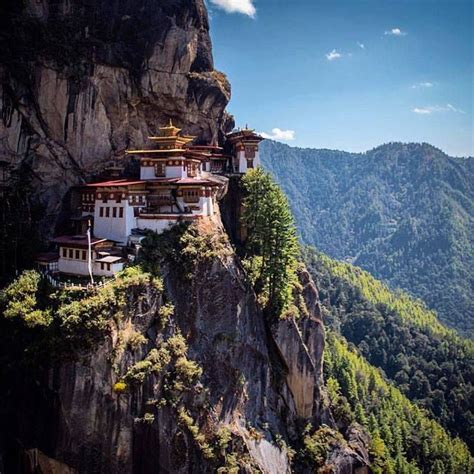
(404, 212)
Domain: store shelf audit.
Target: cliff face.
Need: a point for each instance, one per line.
(81, 81)
(258, 384)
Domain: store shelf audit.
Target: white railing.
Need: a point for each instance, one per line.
(67, 284)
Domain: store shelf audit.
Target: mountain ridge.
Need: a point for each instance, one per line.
(401, 211)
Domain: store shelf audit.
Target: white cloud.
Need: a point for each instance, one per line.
(454, 109)
(279, 134)
(246, 7)
(395, 32)
(332, 55)
(361, 45)
(422, 84)
(436, 108)
(423, 110)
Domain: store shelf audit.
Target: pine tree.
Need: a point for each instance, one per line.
(271, 239)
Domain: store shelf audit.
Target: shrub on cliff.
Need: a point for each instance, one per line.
(184, 245)
(21, 300)
(272, 245)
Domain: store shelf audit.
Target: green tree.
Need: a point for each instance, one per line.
(271, 241)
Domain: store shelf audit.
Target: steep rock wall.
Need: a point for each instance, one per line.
(81, 81)
(263, 384)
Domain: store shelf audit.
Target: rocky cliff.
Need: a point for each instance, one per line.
(180, 375)
(81, 81)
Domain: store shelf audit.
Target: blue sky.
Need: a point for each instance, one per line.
(349, 74)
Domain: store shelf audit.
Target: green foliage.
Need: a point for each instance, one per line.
(223, 438)
(184, 245)
(429, 363)
(410, 309)
(401, 211)
(165, 313)
(170, 360)
(69, 320)
(272, 246)
(187, 421)
(20, 300)
(318, 444)
(401, 431)
(135, 340)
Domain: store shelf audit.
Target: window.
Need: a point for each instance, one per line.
(78, 255)
(71, 253)
(249, 163)
(101, 266)
(101, 211)
(249, 152)
(64, 252)
(120, 212)
(107, 212)
(108, 267)
(114, 212)
(160, 169)
(84, 255)
(191, 195)
(192, 170)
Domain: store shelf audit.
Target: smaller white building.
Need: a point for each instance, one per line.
(73, 256)
(245, 154)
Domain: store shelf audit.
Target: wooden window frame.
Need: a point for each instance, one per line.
(191, 198)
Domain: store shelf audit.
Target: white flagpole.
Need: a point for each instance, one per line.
(89, 258)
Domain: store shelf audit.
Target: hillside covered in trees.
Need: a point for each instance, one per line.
(404, 212)
(418, 378)
(428, 363)
(403, 438)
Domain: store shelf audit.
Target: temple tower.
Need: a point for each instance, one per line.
(245, 153)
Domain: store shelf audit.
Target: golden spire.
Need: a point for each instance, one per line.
(170, 130)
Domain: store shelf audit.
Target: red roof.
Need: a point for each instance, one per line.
(181, 181)
(124, 182)
(77, 240)
(117, 182)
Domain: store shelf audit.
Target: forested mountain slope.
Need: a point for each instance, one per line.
(403, 438)
(404, 212)
(430, 364)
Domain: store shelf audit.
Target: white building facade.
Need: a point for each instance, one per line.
(177, 183)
